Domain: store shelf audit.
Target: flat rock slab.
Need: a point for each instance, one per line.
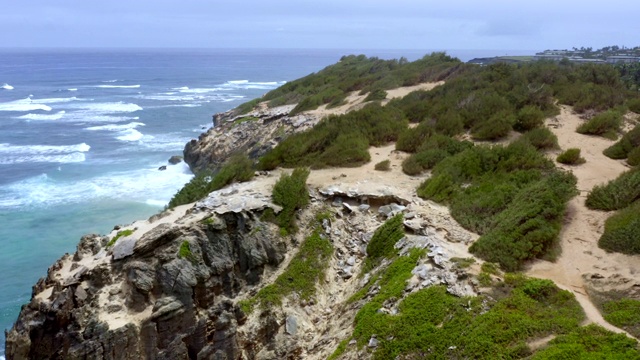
(124, 247)
(238, 198)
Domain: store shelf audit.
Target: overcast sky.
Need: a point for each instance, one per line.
(341, 24)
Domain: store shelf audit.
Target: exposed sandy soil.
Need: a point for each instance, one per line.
(355, 101)
(583, 227)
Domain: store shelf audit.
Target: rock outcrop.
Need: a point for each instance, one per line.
(253, 133)
(167, 295)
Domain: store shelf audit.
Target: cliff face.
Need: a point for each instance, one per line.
(163, 292)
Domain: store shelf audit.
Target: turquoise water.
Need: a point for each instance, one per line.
(83, 132)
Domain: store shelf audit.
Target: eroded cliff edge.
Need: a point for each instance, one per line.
(160, 293)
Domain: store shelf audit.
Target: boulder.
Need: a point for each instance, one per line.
(175, 159)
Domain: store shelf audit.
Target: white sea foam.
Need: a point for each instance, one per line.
(43, 117)
(144, 185)
(131, 135)
(6, 87)
(23, 105)
(72, 89)
(106, 108)
(246, 84)
(118, 86)
(13, 154)
(128, 126)
(181, 88)
(201, 90)
(56, 100)
(111, 81)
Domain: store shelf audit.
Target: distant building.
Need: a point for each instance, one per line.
(552, 57)
(626, 59)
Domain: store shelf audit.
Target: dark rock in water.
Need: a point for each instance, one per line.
(175, 159)
(163, 167)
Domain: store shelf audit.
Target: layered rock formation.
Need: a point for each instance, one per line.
(163, 292)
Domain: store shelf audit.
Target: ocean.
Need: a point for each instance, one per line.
(83, 133)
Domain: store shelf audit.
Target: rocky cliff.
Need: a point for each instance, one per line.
(163, 291)
(170, 287)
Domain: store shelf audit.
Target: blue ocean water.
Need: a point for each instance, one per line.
(83, 132)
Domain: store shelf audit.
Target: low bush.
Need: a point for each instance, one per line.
(495, 127)
(606, 124)
(623, 313)
(540, 138)
(622, 148)
(433, 150)
(410, 140)
(340, 141)
(376, 95)
(237, 169)
(463, 328)
(477, 205)
(529, 118)
(634, 105)
(622, 231)
(590, 342)
(633, 158)
(290, 192)
(383, 241)
(529, 226)
(616, 194)
(570, 157)
(384, 165)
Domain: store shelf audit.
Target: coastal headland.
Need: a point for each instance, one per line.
(376, 209)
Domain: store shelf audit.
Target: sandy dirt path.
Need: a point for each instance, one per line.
(583, 227)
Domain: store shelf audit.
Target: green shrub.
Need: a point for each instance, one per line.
(606, 124)
(237, 168)
(433, 150)
(616, 194)
(529, 118)
(376, 95)
(290, 192)
(341, 140)
(528, 228)
(633, 158)
(385, 237)
(384, 165)
(570, 157)
(541, 138)
(463, 328)
(623, 313)
(185, 252)
(622, 231)
(634, 105)
(410, 140)
(359, 73)
(625, 145)
(495, 127)
(590, 342)
(450, 123)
